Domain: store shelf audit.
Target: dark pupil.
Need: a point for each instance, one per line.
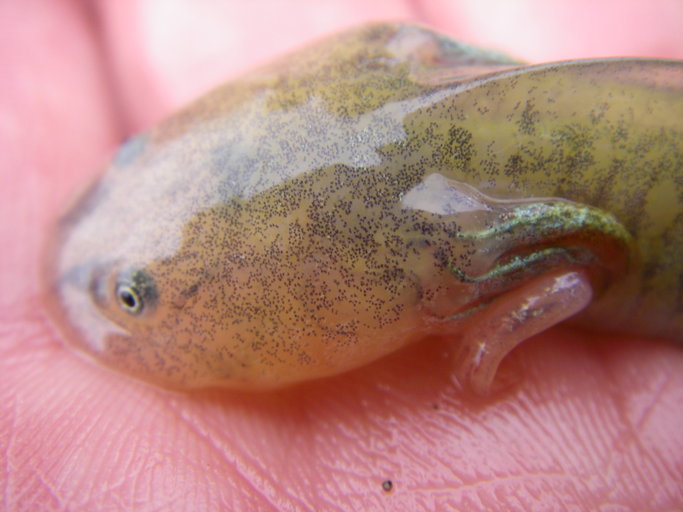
(128, 299)
(135, 291)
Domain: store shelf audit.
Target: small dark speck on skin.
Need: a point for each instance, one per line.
(387, 486)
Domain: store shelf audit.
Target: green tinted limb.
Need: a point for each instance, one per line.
(544, 220)
(515, 264)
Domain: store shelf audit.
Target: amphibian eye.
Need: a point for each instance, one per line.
(135, 292)
(129, 299)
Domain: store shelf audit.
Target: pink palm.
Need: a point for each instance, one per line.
(594, 422)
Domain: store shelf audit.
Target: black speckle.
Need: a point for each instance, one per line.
(528, 120)
(387, 486)
(515, 166)
(460, 146)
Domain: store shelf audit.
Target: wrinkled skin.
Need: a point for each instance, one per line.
(593, 424)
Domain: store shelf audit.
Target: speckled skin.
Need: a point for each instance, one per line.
(384, 185)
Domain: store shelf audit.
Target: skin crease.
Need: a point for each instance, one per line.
(592, 425)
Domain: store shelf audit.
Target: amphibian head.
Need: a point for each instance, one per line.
(382, 186)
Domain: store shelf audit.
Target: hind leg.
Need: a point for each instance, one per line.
(515, 316)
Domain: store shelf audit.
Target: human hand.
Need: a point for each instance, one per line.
(594, 423)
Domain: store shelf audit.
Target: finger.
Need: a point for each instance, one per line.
(346, 435)
(55, 124)
(166, 53)
(539, 31)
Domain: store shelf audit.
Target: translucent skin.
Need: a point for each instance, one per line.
(382, 186)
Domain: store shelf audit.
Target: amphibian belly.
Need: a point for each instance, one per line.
(380, 187)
